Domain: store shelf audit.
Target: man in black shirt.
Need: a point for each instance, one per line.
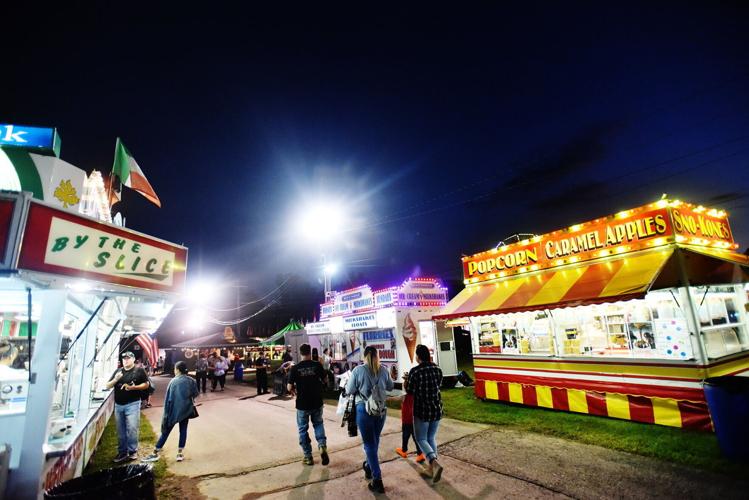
(287, 355)
(306, 383)
(261, 372)
(128, 382)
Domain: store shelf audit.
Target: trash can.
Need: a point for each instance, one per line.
(728, 401)
(279, 383)
(128, 482)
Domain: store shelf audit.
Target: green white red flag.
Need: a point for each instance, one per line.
(129, 173)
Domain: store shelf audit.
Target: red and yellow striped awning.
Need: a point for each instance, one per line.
(620, 278)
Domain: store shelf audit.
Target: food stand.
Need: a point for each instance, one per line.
(394, 320)
(623, 316)
(76, 284)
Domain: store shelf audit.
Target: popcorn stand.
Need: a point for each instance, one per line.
(394, 320)
(624, 316)
(70, 285)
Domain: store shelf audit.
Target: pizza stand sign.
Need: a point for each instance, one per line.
(63, 243)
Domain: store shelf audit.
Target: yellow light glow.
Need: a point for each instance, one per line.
(675, 203)
(722, 213)
(623, 214)
(574, 259)
(522, 269)
(661, 203)
(700, 209)
(474, 280)
(465, 282)
(621, 249)
(559, 262)
(603, 253)
(696, 241)
(534, 267)
(502, 274)
(576, 227)
(659, 241)
(536, 239)
(492, 276)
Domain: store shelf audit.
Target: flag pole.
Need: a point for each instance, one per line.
(111, 174)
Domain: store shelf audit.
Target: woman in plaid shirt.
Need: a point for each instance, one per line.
(424, 383)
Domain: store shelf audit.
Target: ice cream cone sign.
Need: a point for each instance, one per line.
(409, 335)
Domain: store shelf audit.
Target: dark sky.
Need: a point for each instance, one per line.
(443, 130)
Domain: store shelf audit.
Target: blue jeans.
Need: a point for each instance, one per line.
(370, 429)
(182, 435)
(425, 432)
(128, 427)
(302, 422)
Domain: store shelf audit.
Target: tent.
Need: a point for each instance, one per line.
(278, 337)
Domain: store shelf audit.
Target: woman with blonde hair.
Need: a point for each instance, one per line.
(369, 383)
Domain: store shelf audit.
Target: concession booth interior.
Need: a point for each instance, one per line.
(70, 286)
(624, 316)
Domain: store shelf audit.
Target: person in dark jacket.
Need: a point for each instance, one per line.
(424, 383)
(178, 409)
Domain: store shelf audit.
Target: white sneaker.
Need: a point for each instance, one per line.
(180, 457)
(153, 457)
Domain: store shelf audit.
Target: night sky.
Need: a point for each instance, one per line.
(443, 131)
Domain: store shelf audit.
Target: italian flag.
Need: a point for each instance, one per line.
(129, 173)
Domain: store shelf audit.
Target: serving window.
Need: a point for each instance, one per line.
(654, 327)
(721, 311)
(516, 333)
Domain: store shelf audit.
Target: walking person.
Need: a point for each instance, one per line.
(179, 408)
(306, 383)
(369, 382)
(424, 383)
(129, 382)
(201, 371)
(261, 374)
(407, 425)
(219, 373)
(212, 360)
(325, 360)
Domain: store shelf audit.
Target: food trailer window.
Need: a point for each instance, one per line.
(14, 345)
(655, 327)
(721, 312)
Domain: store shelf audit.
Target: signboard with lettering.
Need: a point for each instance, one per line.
(60, 242)
(317, 328)
(36, 139)
(360, 321)
(384, 342)
(652, 225)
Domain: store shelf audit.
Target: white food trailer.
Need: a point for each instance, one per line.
(394, 320)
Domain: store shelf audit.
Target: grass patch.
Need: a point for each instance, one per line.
(106, 450)
(692, 448)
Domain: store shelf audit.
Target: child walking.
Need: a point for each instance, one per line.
(407, 425)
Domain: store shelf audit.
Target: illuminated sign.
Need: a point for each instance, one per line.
(651, 225)
(59, 242)
(34, 138)
(360, 321)
(317, 328)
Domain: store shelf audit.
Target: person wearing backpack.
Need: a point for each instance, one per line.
(369, 383)
(424, 381)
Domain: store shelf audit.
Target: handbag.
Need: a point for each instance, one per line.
(349, 416)
(194, 413)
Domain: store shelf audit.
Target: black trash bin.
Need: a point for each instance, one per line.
(132, 482)
(279, 383)
(728, 401)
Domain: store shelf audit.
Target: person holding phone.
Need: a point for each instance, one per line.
(128, 383)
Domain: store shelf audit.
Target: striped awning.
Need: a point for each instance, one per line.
(620, 278)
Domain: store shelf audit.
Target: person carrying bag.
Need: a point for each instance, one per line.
(367, 385)
(179, 408)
